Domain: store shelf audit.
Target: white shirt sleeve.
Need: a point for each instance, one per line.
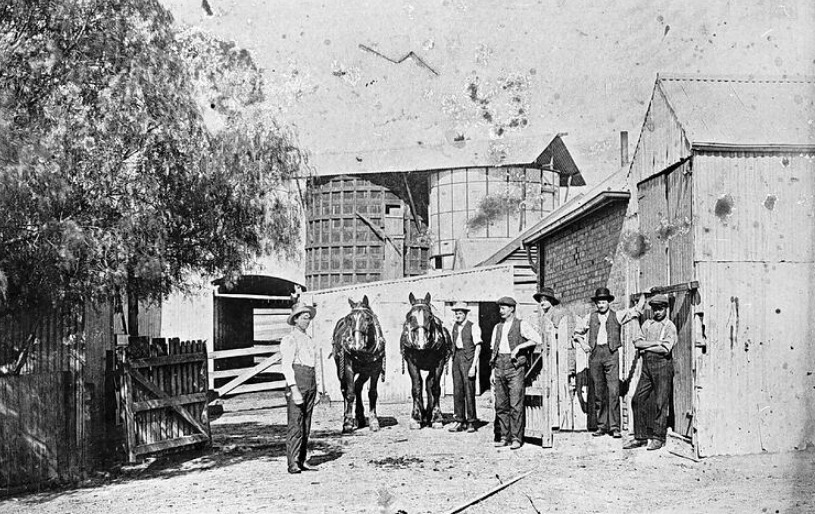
(287, 352)
(529, 333)
(476, 331)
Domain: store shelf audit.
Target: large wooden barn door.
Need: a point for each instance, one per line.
(665, 212)
(162, 394)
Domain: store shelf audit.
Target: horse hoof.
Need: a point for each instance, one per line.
(374, 425)
(347, 429)
(414, 425)
(437, 424)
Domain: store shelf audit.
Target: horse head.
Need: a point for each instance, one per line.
(420, 326)
(359, 325)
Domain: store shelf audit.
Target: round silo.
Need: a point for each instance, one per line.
(485, 203)
(362, 229)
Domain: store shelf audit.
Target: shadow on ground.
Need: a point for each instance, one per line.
(232, 444)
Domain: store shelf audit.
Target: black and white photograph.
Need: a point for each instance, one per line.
(407, 257)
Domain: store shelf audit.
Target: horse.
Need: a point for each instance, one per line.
(359, 352)
(425, 345)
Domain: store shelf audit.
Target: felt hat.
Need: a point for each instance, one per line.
(298, 309)
(460, 306)
(546, 292)
(602, 293)
(659, 299)
(508, 301)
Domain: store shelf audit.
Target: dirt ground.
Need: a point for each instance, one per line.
(423, 471)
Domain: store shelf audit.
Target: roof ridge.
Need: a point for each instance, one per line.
(749, 78)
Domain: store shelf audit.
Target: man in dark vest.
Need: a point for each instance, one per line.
(512, 341)
(466, 350)
(603, 328)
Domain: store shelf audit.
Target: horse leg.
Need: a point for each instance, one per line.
(434, 392)
(360, 408)
(373, 421)
(348, 396)
(416, 393)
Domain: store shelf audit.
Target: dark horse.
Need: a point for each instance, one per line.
(359, 351)
(426, 345)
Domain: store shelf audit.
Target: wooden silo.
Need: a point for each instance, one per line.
(365, 228)
(486, 206)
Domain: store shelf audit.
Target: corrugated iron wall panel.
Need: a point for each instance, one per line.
(756, 377)
(653, 205)
(754, 207)
(677, 227)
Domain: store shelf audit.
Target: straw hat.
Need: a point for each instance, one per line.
(460, 306)
(298, 309)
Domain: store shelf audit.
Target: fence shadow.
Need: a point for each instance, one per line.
(231, 444)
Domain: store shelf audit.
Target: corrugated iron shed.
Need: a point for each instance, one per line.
(743, 112)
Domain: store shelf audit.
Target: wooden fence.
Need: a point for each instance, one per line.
(162, 394)
(44, 403)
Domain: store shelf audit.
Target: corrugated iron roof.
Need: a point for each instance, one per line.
(541, 151)
(742, 112)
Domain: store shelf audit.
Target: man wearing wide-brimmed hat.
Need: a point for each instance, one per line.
(512, 339)
(298, 357)
(652, 400)
(466, 351)
(604, 330)
(546, 299)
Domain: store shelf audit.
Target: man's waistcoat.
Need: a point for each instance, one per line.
(466, 338)
(513, 336)
(612, 330)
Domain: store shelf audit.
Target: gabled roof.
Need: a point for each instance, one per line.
(741, 113)
(545, 151)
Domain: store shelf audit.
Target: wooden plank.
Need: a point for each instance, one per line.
(130, 420)
(246, 375)
(168, 360)
(160, 403)
(174, 405)
(226, 373)
(171, 443)
(262, 386)
(263, 297)
(242, 352)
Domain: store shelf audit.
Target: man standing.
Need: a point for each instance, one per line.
(298, 355)
(466, 351)
(604, 328)
(511, 340)
(546, 300)
(652, 400)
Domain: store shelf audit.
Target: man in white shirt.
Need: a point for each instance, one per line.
(466, 351)
(604, 330)
(512, 341)
(298, 356)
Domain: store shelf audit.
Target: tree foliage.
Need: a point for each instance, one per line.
(110, 176)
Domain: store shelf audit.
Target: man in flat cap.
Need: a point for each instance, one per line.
(298, 356)
(512, 339)
(604, 330)
(466, 351)
(652, 400)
